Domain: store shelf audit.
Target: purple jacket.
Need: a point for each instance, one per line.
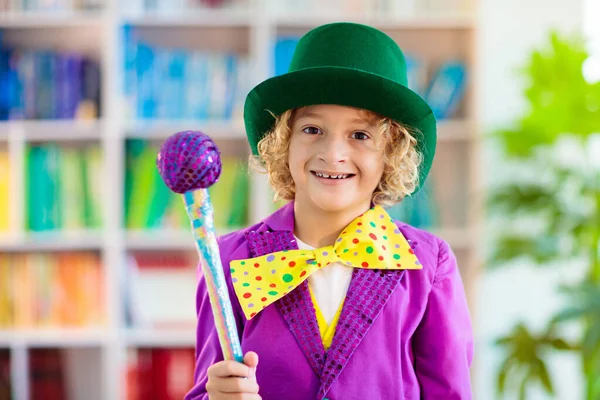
(401, 335)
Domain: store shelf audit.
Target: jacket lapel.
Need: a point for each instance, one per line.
(296, 307)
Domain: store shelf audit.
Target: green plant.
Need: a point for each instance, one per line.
(563, 200)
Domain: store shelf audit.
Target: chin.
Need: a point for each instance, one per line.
(333, 204)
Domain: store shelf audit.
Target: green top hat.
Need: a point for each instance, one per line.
(346, 64)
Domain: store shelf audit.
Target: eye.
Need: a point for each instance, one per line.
(360, 135)
(312, 130)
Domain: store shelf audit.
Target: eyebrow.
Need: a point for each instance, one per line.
(319, 116)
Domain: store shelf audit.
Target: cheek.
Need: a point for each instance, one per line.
(373, 168)
(295, 159)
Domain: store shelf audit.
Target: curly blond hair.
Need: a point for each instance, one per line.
(397, 142)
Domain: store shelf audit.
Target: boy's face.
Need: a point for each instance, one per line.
(331, 140)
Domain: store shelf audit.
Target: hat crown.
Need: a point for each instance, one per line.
(350, 45)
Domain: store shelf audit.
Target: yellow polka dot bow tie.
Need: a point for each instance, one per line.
(371, 241)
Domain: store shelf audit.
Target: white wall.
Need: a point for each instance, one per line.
(509, 30)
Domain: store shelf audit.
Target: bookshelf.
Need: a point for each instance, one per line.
(434, 35)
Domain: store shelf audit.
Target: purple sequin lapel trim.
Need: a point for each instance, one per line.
(368, 293)
(296, 307)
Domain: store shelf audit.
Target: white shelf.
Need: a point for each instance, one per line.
(421, 20)
(159, 240)
(163, 239)
(161, 129)
(51, 241)
(54, 130)
(57, 19)
(161, 337)
(193, 18)
(54, 337)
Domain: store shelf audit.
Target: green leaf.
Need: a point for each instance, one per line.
(511, 247)
(523, 198)
(561, 344)
(508, 363)
(542, 374)
(591, 340)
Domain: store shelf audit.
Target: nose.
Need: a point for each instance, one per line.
(333, 149)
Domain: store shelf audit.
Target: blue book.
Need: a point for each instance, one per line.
(174, 84)
(45, 72)
(26, 76)
(4, 85)
(197, 92)
(91, 82)
(146, 105)
(159, 85)
(130, 54)
(446, 89)
(284, 50)
(231, 62)
(15, 87)
(73, 85)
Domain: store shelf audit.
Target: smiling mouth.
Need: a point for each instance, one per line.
(331, 176)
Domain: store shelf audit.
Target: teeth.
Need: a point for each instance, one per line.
(322, 175)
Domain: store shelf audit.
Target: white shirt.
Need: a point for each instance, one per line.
(328, 285)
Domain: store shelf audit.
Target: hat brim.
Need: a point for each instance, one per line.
(346, 87)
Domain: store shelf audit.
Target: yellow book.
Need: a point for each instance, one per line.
(4, 190)
(6, 308)
(23, 291)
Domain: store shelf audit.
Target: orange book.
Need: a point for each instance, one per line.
(68, 286)
(92, 281)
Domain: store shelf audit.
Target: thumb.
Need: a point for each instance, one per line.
(251, 359)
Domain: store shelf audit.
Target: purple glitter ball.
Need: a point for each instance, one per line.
(189, 160)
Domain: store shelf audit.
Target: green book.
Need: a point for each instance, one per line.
(142, 189)
(160, 200)
(134, 148)
(93, 157)
(33, 217)
(72, 190)
(43, 194)
(221, 192)
(238, 216)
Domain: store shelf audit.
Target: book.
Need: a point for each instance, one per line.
(176, 83)
(48, 84)
(51, 290)
(447, 89)
(159, 373)
(63, 187)
(150, 205)
(5, 208)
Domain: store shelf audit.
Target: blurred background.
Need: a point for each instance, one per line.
(97, 265)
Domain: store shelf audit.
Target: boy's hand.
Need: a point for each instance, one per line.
(231, 380)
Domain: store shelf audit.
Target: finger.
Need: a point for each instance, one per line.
(251, 359)
(229, 368)
(235, 385)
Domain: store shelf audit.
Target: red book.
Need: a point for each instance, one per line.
(5, 374)
(46, 375)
